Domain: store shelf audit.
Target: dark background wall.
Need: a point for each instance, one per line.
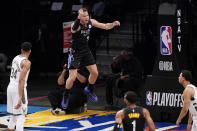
(22, 19)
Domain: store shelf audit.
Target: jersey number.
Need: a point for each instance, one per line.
(13, 73)
(134, 125)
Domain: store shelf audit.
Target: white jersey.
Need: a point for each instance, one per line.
(16, 69)
(193, 103)
(13, 91)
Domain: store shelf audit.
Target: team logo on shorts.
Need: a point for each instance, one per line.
(166, 40)
(149, 98)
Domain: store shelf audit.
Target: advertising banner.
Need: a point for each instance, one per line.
(66, 36)
(172, 45)
(166, 63)
(163, 93)
(163, 98)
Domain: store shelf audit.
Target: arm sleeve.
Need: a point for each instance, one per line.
(76, 24)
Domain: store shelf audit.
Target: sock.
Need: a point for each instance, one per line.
(90, 87)
(67, 92)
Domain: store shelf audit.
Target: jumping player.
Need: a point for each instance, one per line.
(80, 54)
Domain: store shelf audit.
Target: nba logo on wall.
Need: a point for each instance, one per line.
(166, 40)
(149, 98)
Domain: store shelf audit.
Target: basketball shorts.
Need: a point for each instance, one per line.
(12, 100)
(80, 59)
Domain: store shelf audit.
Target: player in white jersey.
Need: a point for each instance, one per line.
(190, 100)
(16, 91)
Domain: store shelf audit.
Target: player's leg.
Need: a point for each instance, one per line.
(73, 64)
(69, 83)
(91, 81)
(20, 122)
(72, 77)
(93, 73)
(12, 123)
(81, 78)
(10, 106)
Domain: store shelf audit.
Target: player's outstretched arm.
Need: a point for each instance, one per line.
(106, 26)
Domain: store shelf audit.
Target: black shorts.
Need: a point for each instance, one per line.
(80, 59)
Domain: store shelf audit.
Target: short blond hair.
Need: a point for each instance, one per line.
(84, 9)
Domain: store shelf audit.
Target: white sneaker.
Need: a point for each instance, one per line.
(58, 111)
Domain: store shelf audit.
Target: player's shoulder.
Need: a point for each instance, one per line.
(189, 88)
(26, 62)
(145, 110)
(93, 21)
(120, 112)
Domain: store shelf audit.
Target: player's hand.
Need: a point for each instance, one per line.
(18, 104)
(178, 122)
(116, 23)
(65, 67)
(80, 12)
(189, 127)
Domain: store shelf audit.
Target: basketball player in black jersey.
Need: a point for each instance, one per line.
(133, 117)
(80, 54)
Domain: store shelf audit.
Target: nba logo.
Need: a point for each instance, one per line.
(149, 98)
(166, 40)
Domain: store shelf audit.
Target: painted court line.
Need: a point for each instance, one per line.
(90, 126)
(166, 128)
(5, 129)
(37, 98)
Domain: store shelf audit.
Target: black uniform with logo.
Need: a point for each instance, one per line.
(133, 119)
(81, 54)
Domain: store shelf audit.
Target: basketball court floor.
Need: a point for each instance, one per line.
(39, 117)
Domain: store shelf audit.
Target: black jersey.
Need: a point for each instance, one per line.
(133, 119)
(81, 37)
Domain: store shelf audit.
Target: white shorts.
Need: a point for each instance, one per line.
(12, 100)
(194, 125)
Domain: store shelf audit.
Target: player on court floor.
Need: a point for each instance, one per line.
(16, 91)
(133, 117)
(80, 54)
(190, 100)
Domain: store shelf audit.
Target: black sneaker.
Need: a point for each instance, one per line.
(92, 96)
